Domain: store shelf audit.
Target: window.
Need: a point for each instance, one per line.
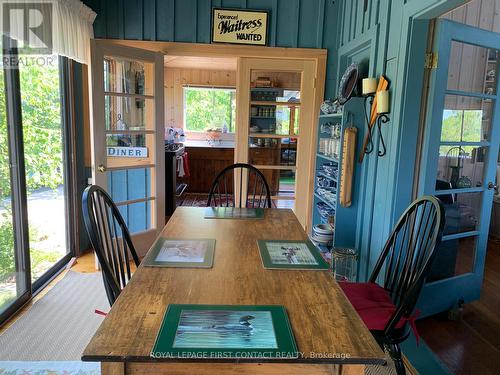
(206, 108)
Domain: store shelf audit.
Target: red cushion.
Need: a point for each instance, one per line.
(372, 302)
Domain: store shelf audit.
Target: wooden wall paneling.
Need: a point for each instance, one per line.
(272, 7)
(186, 20)
(114, 19)
(320, 24)
(133, 19)
(203, 29)
(178, 99)
(347, 22)
(231, 3)
(308, 19)
(165, 20)
(149, 22)
(360, 17)
(287, 14)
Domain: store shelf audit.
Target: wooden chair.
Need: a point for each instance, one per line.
(110, 239)
(388, 310)
(258, 193)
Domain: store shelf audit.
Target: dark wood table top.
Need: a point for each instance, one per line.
(322, 319)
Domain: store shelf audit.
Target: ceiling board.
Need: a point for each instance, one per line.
(206, 63)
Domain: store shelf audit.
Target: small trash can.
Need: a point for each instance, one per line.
(344, 263)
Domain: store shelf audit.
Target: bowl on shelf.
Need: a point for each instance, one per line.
(323, 229)
(322, 241)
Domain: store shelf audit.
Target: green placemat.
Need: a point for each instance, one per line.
(174, 252)
(233, 213)
(302, 255)
(225, 331)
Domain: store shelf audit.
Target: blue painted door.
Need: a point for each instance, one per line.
(460, 159)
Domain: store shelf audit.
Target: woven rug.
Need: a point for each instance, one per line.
(49, 368)
(200, 200)
(59, 326)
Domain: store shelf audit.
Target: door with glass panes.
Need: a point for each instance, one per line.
(275, 126)
(460, 158)
(127, 135)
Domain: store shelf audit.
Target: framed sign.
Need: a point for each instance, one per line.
(128, 152)
(240, 26)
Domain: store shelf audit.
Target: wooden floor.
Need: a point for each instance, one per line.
(472, 344)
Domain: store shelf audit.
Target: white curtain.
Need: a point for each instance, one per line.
(66, 23)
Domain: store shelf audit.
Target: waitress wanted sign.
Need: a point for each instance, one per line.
(239, 26)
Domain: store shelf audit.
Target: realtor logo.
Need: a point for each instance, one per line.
(30, 24)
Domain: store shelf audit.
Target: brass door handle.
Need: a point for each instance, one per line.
(101, 168)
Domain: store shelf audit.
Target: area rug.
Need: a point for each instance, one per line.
(200, 200)
(58, 326)
(49, 368)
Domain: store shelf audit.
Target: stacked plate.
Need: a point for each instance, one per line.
(322, 234)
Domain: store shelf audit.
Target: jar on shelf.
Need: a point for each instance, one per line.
(344, 263)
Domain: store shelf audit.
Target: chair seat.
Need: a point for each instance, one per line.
(373, 304)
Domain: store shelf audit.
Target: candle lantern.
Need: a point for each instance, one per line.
(377, 95)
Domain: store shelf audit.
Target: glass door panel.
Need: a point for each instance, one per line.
(274, 130)
(463, 141)
(127, 76)
(43, 137)
(130, 138)
(12, 276)
(128, 129)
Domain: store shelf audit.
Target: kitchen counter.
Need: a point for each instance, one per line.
(205, 144)
(205, 163)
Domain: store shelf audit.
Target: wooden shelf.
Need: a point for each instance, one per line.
(269, 135)
(265, 117)
(330, 158)
(340, 114)
(270, 103)
(327, 202)
(326, 176)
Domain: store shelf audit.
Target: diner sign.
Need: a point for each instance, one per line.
(128, 152)
(239, 26)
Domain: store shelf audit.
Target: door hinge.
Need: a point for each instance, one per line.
(431, 60)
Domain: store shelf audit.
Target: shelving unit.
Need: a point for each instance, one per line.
(268, 142)
(344, 218)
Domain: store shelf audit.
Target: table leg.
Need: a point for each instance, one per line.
(112, 368)
(352, 370)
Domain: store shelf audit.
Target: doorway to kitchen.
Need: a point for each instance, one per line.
(223, 114)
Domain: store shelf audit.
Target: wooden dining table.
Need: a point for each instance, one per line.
(330, 336)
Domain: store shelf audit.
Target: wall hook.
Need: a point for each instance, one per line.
(369, 146)
(382, 119)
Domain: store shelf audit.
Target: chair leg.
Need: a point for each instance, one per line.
(395, 354)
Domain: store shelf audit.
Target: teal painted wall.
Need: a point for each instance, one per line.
(386, 30)
(293, 23)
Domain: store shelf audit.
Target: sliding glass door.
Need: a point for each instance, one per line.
(44, 160)
(34, 195)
